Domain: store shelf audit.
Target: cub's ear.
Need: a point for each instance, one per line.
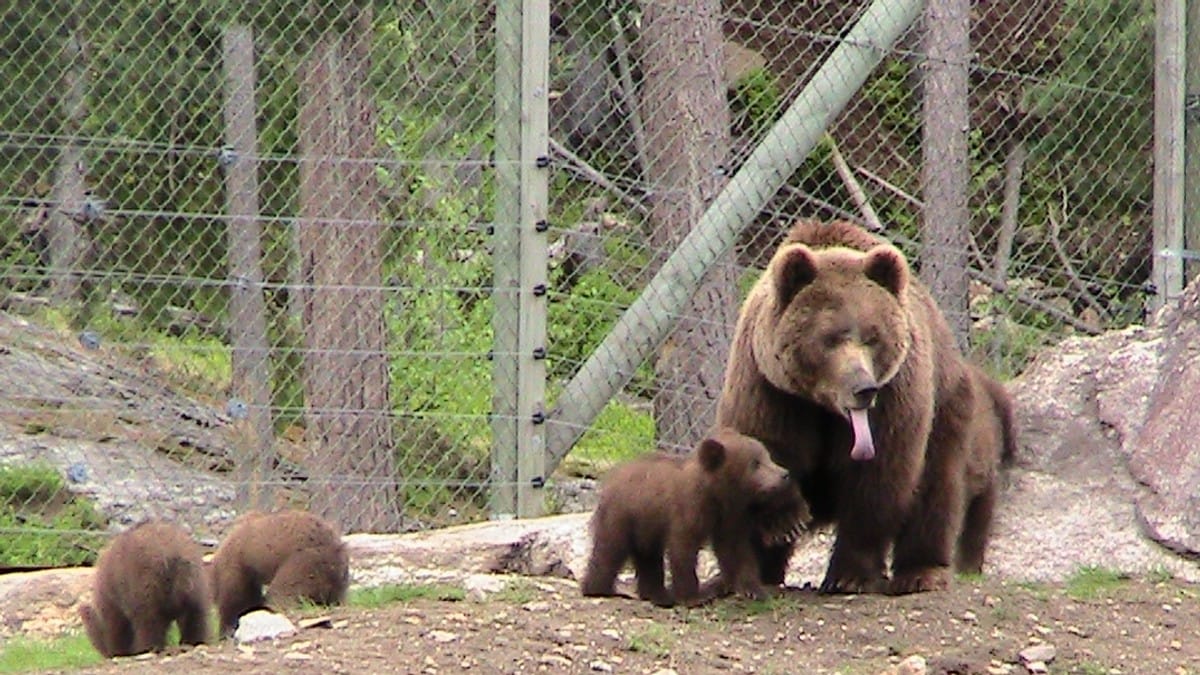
(887, 266)
(711, 454)
(794, 267)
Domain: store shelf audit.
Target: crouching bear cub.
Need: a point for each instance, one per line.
(845, 368)
(147, 578)
(295, 554)
(676, 504)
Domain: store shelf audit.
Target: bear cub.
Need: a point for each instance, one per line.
(296, 554)
(145, 579)
(675, 505)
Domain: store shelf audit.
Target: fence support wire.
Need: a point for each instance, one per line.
(519, 322)
(649, 319)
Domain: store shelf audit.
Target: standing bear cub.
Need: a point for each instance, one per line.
(676, 504)
(145, 579)
(296, 554)
(845, 368)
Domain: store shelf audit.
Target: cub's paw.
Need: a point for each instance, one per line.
(850, 584)
(920, 580)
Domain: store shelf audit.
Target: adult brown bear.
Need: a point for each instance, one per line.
(845, 368)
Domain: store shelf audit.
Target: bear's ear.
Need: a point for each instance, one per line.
(711, 454)
(795, 268)
(886, 266)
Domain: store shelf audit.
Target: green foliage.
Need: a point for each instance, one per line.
(621, 432)
(380, 596)
(1091, 582)
(22, 654)
(755, 102)
(42, 523)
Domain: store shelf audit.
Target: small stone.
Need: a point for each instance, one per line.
(442, 637)
(297, 656)
(600, 667)
(970, 616)
(538, 606)
(611, 634)
(665, 671)
(1037, 667)
(1044, 653)
(555, 660)
(913, 665)
(263, 625)
(1176, 645)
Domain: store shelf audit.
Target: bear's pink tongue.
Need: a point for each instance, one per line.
(864, 445)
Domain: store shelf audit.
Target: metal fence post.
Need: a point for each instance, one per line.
(1169, 66)
(1191, 121)
(519, 253)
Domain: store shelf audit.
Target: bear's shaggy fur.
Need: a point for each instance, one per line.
(296, 554)
(845, 368)
(146, 578)
(676, 504)
(993, 444)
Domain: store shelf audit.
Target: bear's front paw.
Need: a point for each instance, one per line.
(920, 580)
(848, 584)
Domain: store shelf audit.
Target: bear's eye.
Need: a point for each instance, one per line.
(832, 340)
(755, 463)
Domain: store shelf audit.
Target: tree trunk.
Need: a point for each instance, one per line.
(686, 119)
(346, 366)
(946, 171)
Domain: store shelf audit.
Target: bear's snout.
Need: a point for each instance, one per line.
(864, 396)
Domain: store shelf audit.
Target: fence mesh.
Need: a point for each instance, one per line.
(247, 252)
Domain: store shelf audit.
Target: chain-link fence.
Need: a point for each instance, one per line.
(261, 255)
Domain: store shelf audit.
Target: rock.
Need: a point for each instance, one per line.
(600, 666)
(913, 665)
(262, 625)
(442, 636)
(480, 586)
(1044, 653)
(1166, 458)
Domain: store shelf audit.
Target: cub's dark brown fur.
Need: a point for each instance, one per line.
(675, 505)
(296, 554)
(146, 578)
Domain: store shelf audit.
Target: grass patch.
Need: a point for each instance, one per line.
(379, 596)
(23, 654)
(1089, 582)
(621, 432)
(1160, 575)
(518, 592)
(1038, 591)
(655, 640)
(42, 523)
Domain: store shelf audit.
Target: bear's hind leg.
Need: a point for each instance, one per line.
(604, 564)
(651, 578)
(977, 527)
(149, 633)
(193, 623)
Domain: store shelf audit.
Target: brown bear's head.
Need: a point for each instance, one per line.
(747, 473)
(834, 327)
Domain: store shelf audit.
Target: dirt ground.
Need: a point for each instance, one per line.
(542, 625)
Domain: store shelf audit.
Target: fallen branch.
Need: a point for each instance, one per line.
(853, 186)
(596, 176)
(1069, 268)
(890, 187)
